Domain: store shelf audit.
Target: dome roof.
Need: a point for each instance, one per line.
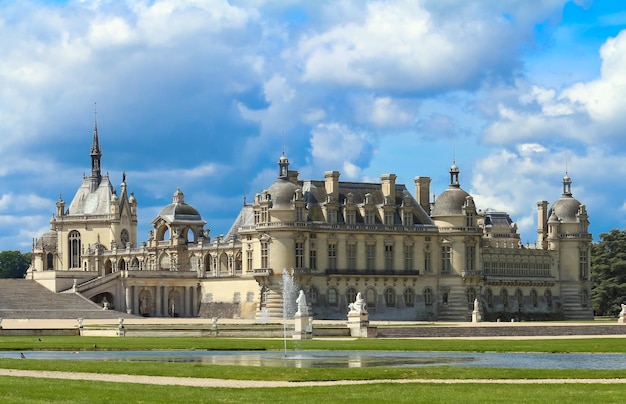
(282, 192)
(179, 210)
(48, 240)
(450, 202)
(566, 209)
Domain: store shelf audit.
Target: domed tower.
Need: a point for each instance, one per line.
(564, 229)
(182, 221)
(454, 213)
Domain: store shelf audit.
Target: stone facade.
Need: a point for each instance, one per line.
(411, 259)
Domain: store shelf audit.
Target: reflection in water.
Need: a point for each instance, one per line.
(344, 359)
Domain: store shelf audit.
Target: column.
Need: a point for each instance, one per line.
(194, 301)
(128, 295)
(185, 297)
(158, 302)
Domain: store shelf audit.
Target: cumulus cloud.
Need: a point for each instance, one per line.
(336, 146)
(419, 46)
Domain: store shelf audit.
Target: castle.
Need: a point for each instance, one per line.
(410, 258)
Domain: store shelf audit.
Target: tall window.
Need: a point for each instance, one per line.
(265, 214)
(548, 296)
(369, 217)
(390, 297)
(446, 259)
(332, 256)
(265, 251)
(407, 218)
(351, 294)
(249, 261)
(299, 255)
(408, 257)
(124, 237)
(504, 296)
(470, 258)
(332, 216)
(469, 220)
(519, 297)
(332, 297)
(584, 265)
(351, 256)
(313, 295)
(257, 216)
(427, 261)
(351, 217)
(489, 297)
(74, 238)
(388, 257)
(313, 259)
(389, 217)
(428, 297)
(409, 297)
(49, 261)
(370, 257)
(533, 297)
(299, 213)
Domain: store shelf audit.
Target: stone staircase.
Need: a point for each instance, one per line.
(456, 309)
(22, 298)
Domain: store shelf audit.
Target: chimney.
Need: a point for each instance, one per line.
(331, 182)
(422, 192)
(389, 184)
(542, 222)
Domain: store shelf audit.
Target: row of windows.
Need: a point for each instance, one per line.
(390, 296)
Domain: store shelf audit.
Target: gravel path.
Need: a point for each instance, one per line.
(229, 383)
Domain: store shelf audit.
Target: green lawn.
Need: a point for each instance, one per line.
(26, 390)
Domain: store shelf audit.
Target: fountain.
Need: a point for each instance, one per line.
(289, 300)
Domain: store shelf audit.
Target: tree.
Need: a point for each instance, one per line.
(13, 264)
(608, 269)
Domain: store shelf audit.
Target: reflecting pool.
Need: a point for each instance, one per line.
(345, 359)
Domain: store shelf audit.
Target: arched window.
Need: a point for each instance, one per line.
(428, 297)
(207, 263)
(489, 297)
(409, 297)
(314, 294)
(533, 297)
(390, 297)
(164, 263)
(504, 296)
(124, 238)
(370, 297)
(74, 244)
(519, 297)
(351, 294)
(548, 296)
(332, 296)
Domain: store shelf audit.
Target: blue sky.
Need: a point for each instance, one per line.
(198, 94)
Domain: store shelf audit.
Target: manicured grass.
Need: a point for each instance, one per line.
(303, 374)
(22, 390)
(211, 343)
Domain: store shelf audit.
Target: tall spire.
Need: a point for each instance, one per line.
(96, 154)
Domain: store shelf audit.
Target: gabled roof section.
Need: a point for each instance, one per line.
(86, 202)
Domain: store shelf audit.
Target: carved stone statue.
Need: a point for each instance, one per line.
(358, 306)
(476, 305)
(303, 309)
(623, 312)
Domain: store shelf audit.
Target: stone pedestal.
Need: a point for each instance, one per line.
(476, 317)
(621, 319)
(303, 328)
(358, 323)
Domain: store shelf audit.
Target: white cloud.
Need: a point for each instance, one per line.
(335, 146)
(419, 46)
